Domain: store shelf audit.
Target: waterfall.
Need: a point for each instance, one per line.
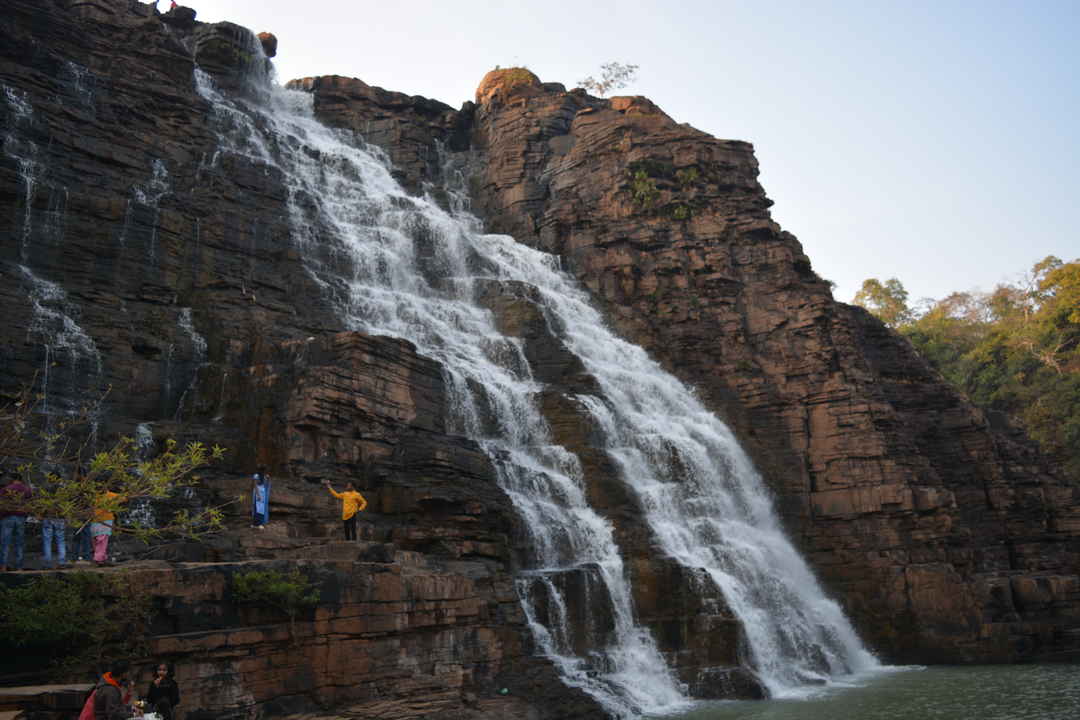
(71, 364)
(24, 151)
(190, 369)
(142, 208)
(139, 512)
(397, 265)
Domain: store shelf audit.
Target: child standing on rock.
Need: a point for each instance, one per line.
(352, 502)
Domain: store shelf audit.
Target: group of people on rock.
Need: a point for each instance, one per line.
(112, 697)
(352, 502)
(15, 496)
(93, 537)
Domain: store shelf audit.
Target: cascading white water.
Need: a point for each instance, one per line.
(399, 265)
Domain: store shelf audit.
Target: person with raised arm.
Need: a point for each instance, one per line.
(352, 502)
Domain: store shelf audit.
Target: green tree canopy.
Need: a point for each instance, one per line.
(1014, 350)
(887, 301)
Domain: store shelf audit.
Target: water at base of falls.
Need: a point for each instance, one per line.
(971, 692)
(402, 266)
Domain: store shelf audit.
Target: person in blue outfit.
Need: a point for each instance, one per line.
(260, 498)
(53, 529)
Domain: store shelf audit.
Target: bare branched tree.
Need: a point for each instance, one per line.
(613, 75)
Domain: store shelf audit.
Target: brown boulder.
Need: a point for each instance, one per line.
(269, 43)
(504, 83)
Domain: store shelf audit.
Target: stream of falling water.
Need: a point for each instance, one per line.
(402, 266)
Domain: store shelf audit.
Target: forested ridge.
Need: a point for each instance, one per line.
(1014, 350)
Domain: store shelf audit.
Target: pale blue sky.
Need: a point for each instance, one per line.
(933, 142)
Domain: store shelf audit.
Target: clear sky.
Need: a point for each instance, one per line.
(935, 142)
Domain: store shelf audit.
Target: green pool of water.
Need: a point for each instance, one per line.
(986, 692)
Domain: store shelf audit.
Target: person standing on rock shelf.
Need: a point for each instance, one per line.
(352, 502)
(53, 528)
(101, 528)
(13, 500)
(260, 498)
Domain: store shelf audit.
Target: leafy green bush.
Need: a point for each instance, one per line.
(80, 618)
(643, 189)
(288, 592)
(686, 177)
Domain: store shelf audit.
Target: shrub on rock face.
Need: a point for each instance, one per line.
(288, 592)
(76, 619)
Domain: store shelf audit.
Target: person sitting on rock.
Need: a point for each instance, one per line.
(352, 502)
(260, 498)
(163, 694)
(108, 696)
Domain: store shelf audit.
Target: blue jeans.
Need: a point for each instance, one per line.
(53, 528)
(12, 525)
(83, 548)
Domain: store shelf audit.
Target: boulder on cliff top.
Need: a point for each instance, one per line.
(269, 43)
(636, 105)
(180, 16)
(505, 81)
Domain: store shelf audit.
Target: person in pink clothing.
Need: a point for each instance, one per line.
(102, 527)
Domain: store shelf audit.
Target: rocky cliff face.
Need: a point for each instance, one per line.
(137, 255)
(947, 539)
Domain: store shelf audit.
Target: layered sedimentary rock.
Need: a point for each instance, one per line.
(419, 618)
(946, 538)
(135, 255)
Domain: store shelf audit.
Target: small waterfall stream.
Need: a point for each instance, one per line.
(71, 365)
(397, 265)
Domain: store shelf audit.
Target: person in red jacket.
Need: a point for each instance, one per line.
(13, 501)
(108, 699)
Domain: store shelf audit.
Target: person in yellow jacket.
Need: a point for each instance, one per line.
(352, 502)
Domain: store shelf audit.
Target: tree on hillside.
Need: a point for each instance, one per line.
(887, 301)
(613, 75)
(1015, 350)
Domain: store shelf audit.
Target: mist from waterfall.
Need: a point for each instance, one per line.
(397, 265)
